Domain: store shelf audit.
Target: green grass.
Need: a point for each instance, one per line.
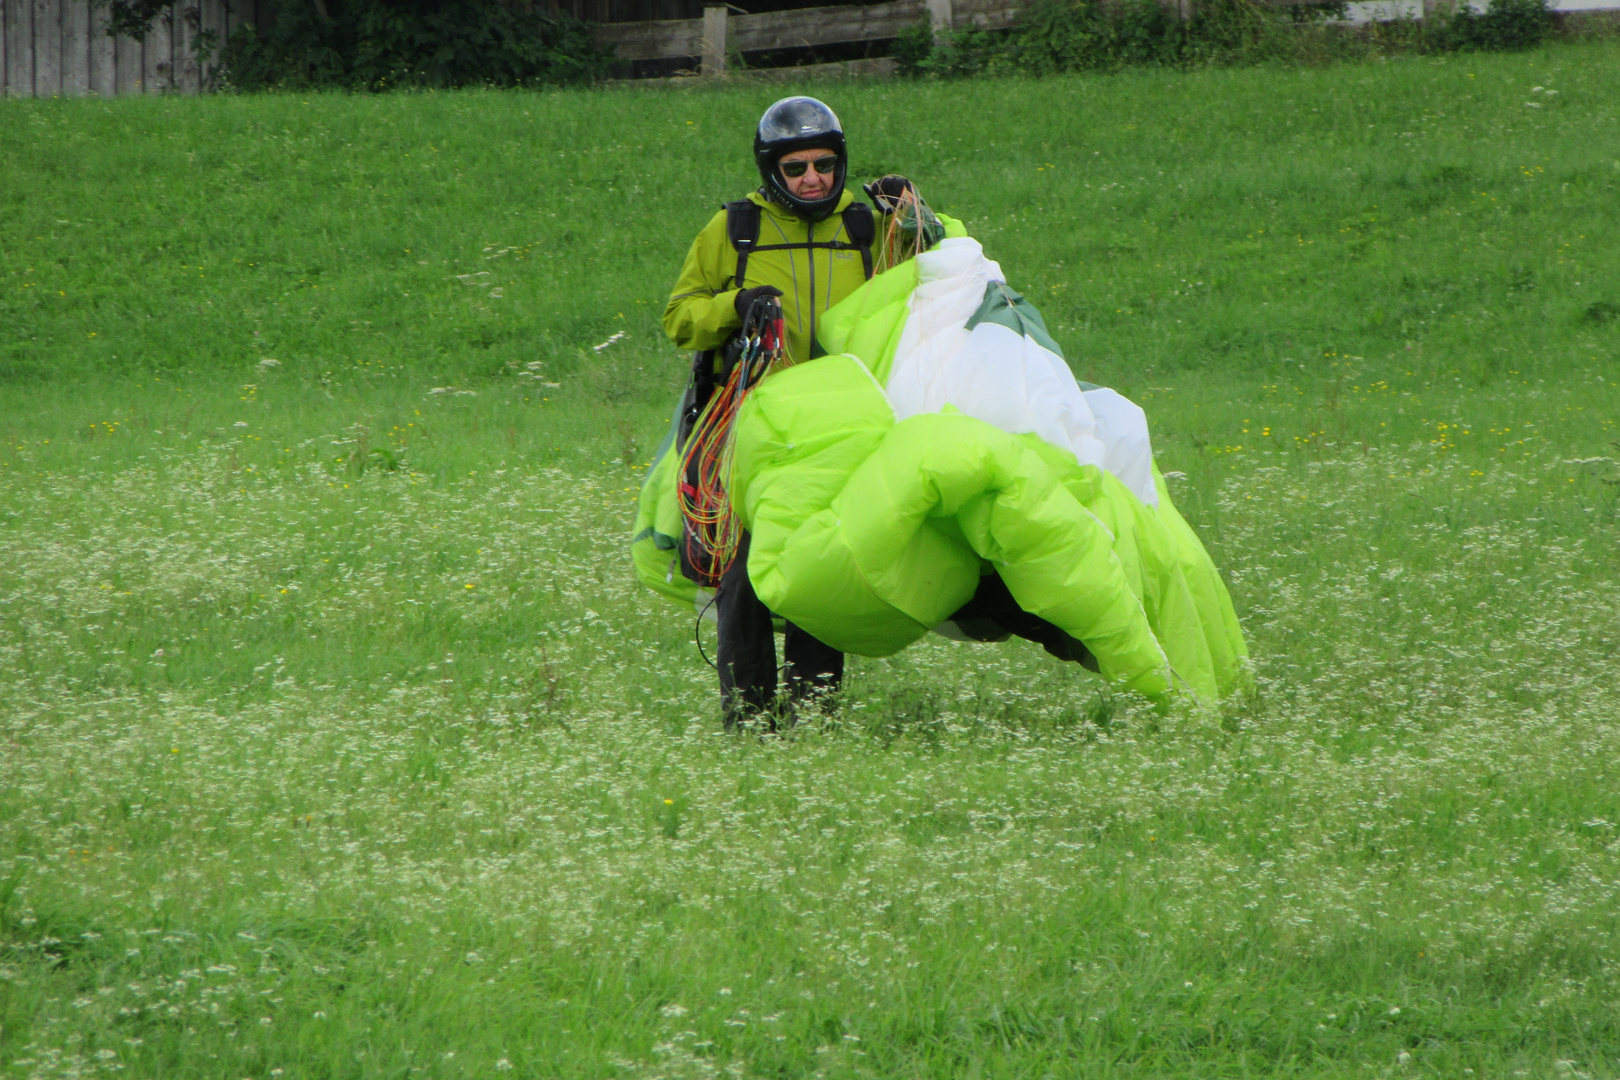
(339, 743)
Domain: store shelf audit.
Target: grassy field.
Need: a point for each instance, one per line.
(337, 741)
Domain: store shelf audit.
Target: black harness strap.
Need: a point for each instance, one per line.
(861, 228)
(742, 229)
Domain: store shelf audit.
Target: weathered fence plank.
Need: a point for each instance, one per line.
(188, 73)
(825, 26)
(103, 53)
(157, 54)
(5, 88)
(210, 34)
(876, 66)
(772, 30)
(714, 41)
(993, 14)
(47, 48)
(214, 22)
(652, 40)
(197, 20)
(76, 47)
(128, 65)
(183, 33)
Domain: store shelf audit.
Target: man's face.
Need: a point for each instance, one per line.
(812, 185)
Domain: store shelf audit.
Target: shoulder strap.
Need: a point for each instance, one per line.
(742, 229)
(861, 228)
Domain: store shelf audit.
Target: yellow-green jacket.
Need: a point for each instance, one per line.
(702, 309)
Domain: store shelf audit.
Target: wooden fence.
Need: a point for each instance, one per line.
(51, 47)
(719, 33)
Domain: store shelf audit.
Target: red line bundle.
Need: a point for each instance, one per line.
(713, 532)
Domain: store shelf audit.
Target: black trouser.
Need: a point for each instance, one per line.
(747, 654)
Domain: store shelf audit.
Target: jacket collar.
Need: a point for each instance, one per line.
(784, 215)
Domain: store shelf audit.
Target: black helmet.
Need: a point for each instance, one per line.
(799, 123)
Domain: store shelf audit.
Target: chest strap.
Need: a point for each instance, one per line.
(742, 229)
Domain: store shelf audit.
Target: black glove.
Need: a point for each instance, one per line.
(746, 298)
(885, 192)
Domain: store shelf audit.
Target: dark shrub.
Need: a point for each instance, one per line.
(376, 44)
(1509, 26)
(1089, 35)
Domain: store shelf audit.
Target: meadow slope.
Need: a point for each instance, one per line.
(338, 741)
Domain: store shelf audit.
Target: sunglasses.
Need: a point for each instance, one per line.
(795, 169)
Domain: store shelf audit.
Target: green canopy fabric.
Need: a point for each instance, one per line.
(871, 529)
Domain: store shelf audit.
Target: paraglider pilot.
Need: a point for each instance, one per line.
(802, 238)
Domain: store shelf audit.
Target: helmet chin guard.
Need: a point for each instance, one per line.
(799, 123)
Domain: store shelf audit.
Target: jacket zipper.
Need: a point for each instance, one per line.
(810, 251)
